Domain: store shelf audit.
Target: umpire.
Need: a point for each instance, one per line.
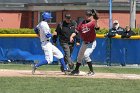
(63, 31)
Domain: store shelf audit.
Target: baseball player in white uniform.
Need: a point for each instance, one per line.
(44, 33)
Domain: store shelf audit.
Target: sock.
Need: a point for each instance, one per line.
(41, 63)
(90, 66)
(63, 63)
(77, 66)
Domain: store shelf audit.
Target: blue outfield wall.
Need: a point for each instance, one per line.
(123, 51)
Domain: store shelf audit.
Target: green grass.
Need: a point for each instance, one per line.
(67, 85)
(85, 68)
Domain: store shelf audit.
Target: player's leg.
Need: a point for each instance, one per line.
(58, 54)
(88, 52)
(79, 59)
(71, 47)
(67, 56)
(48, 56)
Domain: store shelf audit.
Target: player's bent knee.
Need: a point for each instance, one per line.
(49, 61)
(87, 59)
(61, 57)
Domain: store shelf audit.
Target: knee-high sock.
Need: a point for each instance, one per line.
(40, 63)
(77, 66)
(90, 66)
(63, 63)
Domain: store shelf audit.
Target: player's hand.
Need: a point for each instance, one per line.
(71, 39)
(77, 44)
(54, 33)
(95, 14)
(38, 35)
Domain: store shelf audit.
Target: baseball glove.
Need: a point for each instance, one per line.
(95, 14)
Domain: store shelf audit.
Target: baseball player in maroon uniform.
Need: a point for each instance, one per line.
(86, 29)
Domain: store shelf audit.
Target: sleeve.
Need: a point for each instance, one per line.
(54, 38)
(36, 29)
(96, 26)
(58, 28)
(73, 26)
(74, 23)
(111, 33)
(77, 29)
(130, 34)
(77, 38)
(123, 35)
(126, 34)
(48, 35)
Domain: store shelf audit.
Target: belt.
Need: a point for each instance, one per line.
(46, 40)
(88, 42)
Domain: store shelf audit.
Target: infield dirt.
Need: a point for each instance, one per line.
(27, 73)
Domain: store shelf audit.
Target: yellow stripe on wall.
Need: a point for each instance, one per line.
(34, 35)
(118, 36)
(18, 35)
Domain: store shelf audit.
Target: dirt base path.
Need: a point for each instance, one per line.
(27, 73)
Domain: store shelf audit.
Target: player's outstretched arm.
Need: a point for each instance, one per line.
(72, 37)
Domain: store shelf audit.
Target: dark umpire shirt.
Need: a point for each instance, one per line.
(64, 30)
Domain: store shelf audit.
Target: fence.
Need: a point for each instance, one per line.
(27, 47)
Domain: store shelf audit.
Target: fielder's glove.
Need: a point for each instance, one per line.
(95, 15)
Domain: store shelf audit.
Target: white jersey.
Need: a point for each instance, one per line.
(43, 30)
(49, 49)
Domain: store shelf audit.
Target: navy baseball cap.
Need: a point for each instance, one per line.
(67, 16)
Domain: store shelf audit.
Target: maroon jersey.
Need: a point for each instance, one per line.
(86, 31)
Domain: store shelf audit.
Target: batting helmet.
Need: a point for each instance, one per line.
(46, 16)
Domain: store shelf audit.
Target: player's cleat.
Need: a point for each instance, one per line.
(61, 68)
(75, 72)
(66, 72)
(90, 73)
(33, 69)
(70, 70)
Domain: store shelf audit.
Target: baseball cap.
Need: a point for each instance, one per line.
(115, 21)
(67, 16)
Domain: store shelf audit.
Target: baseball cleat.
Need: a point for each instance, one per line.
(74, 72)
(66, 72)
(90, 73)
(61, 68)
